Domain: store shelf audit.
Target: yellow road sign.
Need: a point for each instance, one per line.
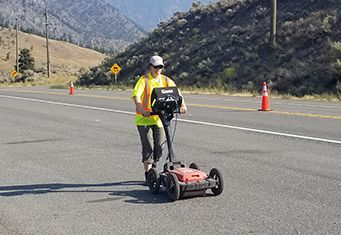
(115, 69)
(14, 73)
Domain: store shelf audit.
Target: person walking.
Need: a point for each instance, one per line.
(150, 127)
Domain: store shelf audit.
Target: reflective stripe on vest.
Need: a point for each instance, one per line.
(146, 95)
(147, 92)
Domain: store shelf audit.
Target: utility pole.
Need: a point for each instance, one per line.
(273, 24)
(47, 41)
(16, 45)
(17, 40)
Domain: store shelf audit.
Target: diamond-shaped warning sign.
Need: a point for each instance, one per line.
(14, 73)
(115, 69)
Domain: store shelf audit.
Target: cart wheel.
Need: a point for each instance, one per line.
(172, 187)
(193, 165)
(153, 180)
(216, 174)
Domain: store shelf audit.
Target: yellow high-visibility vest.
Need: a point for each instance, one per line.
(144, 92)
(148, 91)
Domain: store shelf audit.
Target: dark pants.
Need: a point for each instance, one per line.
(152, 139)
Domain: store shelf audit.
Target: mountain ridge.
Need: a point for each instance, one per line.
(158, 11)
(95, 24)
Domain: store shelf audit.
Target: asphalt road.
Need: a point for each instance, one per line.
(71, 165)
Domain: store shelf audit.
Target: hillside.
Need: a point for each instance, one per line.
(95, 24)
(227, 45)
(65, 58)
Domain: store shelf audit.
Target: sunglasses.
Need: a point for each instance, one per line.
(158, 67)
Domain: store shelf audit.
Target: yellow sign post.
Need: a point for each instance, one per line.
(115, 69)
(14, 73)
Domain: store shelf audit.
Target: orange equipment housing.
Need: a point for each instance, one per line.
(189, 175)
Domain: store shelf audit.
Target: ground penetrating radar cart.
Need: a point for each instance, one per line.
(179, 181)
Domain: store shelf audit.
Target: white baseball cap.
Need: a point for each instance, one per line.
(156, 61)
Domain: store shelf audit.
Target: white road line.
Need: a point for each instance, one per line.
(262, 131)
(67, 104)
(181, 120)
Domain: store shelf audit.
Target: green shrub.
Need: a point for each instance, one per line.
(26, 61)
(336, 46)
(230, 72)
(181, 22)
(328, 22)
(338, 88)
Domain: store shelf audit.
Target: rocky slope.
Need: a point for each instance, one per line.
(227, 45)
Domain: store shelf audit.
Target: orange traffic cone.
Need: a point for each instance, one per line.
(265, 101)
(72, 89)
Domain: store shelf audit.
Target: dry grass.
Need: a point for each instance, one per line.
(55, 81)
(65, 58)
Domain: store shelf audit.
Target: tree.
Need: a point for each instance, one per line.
(26, 61)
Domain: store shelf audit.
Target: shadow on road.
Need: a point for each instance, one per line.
(142, 196)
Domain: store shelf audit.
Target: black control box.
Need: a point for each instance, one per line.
(166, 99)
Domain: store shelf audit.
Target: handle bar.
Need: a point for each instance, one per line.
(155, 113)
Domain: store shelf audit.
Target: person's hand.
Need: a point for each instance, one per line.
(183, 109)
(146, 114)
